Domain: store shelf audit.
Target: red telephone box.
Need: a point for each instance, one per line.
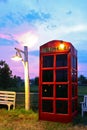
(58, 81)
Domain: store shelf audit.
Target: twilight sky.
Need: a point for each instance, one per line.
(46, 20)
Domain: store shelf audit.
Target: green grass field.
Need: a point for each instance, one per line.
(19, 119)
(82, 90)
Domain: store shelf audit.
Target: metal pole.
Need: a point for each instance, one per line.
(27, 84)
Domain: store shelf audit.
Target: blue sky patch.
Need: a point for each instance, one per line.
(34, 53)
(7, 42)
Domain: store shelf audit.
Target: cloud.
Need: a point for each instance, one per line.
(7, 42)
(82, 67)
(51, 27)
(10, 19)
(18, 18)
(33, 66)
(27, 38)
(74, 28)
(7, 39)
(36, 16)
(73, 33)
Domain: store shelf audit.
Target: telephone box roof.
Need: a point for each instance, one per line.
(53, 46)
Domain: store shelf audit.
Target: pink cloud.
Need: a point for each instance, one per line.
(82, 69)
(5, 36)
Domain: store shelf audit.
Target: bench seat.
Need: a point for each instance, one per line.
(8, 98)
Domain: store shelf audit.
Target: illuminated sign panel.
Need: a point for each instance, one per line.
(60, 47)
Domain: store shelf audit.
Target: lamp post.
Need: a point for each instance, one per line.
(26, 73)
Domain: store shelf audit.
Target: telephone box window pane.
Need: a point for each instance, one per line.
(62, 107)
(61, 60)
(47, 76)
(74, 90)
(74, 62)
(61, 76)
(48, 61)
(74, 105)
(74, 76)
(47, 105)
(62, 91)
(47, 90)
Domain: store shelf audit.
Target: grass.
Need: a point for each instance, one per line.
(33, 88)
(19, 119)
(82, 90)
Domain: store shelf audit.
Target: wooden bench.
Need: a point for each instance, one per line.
(84, 105)
(8, 98)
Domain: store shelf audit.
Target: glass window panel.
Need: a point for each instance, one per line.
(72, 61)
(61, 75)
(61, 107)
(47, 76)
(61, 60)
(74, 76)
(74, 105)
(74, 64)
(48, 61)
(47, 90)
(74, 90)
(62, 91)
(47, 105)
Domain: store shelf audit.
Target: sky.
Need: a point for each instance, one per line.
(40, 21)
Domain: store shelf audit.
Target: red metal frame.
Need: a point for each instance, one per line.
(70, 102)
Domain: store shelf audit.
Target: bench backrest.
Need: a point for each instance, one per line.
(8, 96)
(85, 100)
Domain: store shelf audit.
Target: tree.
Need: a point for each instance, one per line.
(16, 81)
(82, 79)
(7, 80)
(36, 80)
(5, 74)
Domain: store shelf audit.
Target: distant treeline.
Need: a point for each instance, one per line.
(10, 82)
(82, 80)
